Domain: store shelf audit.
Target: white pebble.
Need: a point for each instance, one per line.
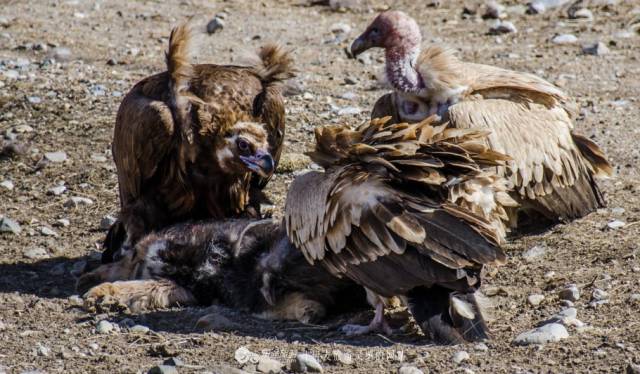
(564, 39)
(460, 356)
(104, 327)
(552, 332)
(535, 299)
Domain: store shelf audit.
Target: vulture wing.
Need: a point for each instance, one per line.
(548, 169)
(381, 206)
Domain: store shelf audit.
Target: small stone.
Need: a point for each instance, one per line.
(582, 13)
(481, 347)
(564, 39)
(104, 327)
(268, 365)
(617, 211)
(341, 357)
(503, 27)
(571, 293)
(350, 80)
(7, 184)
(163, 369)
(9, 225)
(94, 346)
(43, 351)
(460, 357)
(215, 25)
(349, 96)
(34, 99)
(62, 222)
(599, 294)
(139, 329)
(106, 222)
(47, 231)
(548, 333)
(244, 355)
(98, 157)
(133, 52)
(494, 10)
(58, 156)
(36, 253)
(535, 299)
(77, 201)
(172, 361)
(306, 363)
(596, 49)
(348, 110)
(616, 224)
(533, 253)
(61, 54)
(540, 6)
(98, 90)
(11, 74)
(56, 190)
(634, 298)
(409, 370)
(20, 129)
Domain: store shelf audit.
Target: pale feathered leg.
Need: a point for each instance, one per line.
(378, 324)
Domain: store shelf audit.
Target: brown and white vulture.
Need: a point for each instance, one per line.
(393, 211)
(197, 141)
(551, 170)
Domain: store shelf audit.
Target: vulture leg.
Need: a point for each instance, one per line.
(378, 324)
(447, 317)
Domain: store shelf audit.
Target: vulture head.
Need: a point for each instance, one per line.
(393, 31)
(245, 148)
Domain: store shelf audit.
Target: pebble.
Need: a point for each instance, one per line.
(503, 27)
(61, 54)
(43, 351)
(34, 99)
(582, 13)
(350, 80)
(341, 357)
(564, 39)
(23, 129)
(617, 211)
(7, 184)
(215, 25)
(59, 156)
(595, 49)
(599, 294)
(460, 357)
(481, 347)
(104, 327)
(75, 300)
(540, 6)
(140, 329)
(349, 96)
(77, 201)
(306, 363)
(106, 222)
(98, 90)
(163, 369)
(535, 299)
(348, 110)
(243, 355)
(268, 365)
(47, 231)
(494, 10)
(634, 298)
(548, 333)
(409, 370)
(11, 74)
(534, 253)
(36, 253)
(616, 224)
(62, 222)
(94, 346)
(172, 361)
(571, 293)
(57, 190)
(9, 225)
(98, 157)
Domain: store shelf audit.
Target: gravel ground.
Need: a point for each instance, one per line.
(64, 66)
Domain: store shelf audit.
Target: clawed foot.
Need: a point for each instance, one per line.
(357, 330)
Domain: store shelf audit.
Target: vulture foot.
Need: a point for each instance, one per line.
(378, 324)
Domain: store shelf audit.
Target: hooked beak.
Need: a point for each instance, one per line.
(360, 45)
(261, 163)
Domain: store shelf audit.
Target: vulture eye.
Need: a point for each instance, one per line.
(243, 145)
(375, 31)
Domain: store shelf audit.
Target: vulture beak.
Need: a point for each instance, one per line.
(261, 163)
(360, 45)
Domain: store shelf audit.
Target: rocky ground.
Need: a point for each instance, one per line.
(64, 66)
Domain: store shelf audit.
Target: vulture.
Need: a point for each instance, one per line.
(247, 264)
(552, 169)
(198, 141)
(395, 211)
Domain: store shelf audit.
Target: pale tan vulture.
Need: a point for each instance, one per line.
(393, 211)
(551, 170)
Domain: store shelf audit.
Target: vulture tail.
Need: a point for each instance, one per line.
(275, 64)
(446, 316)
(180, 69)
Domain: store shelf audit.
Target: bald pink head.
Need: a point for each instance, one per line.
(391, 30)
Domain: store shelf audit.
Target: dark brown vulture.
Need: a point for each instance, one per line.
(248, 265)
(394, 211)
(551, 170)
(196, 141)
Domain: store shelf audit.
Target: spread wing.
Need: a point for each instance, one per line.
(141, 142)
(383, 200)
(547, 167)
